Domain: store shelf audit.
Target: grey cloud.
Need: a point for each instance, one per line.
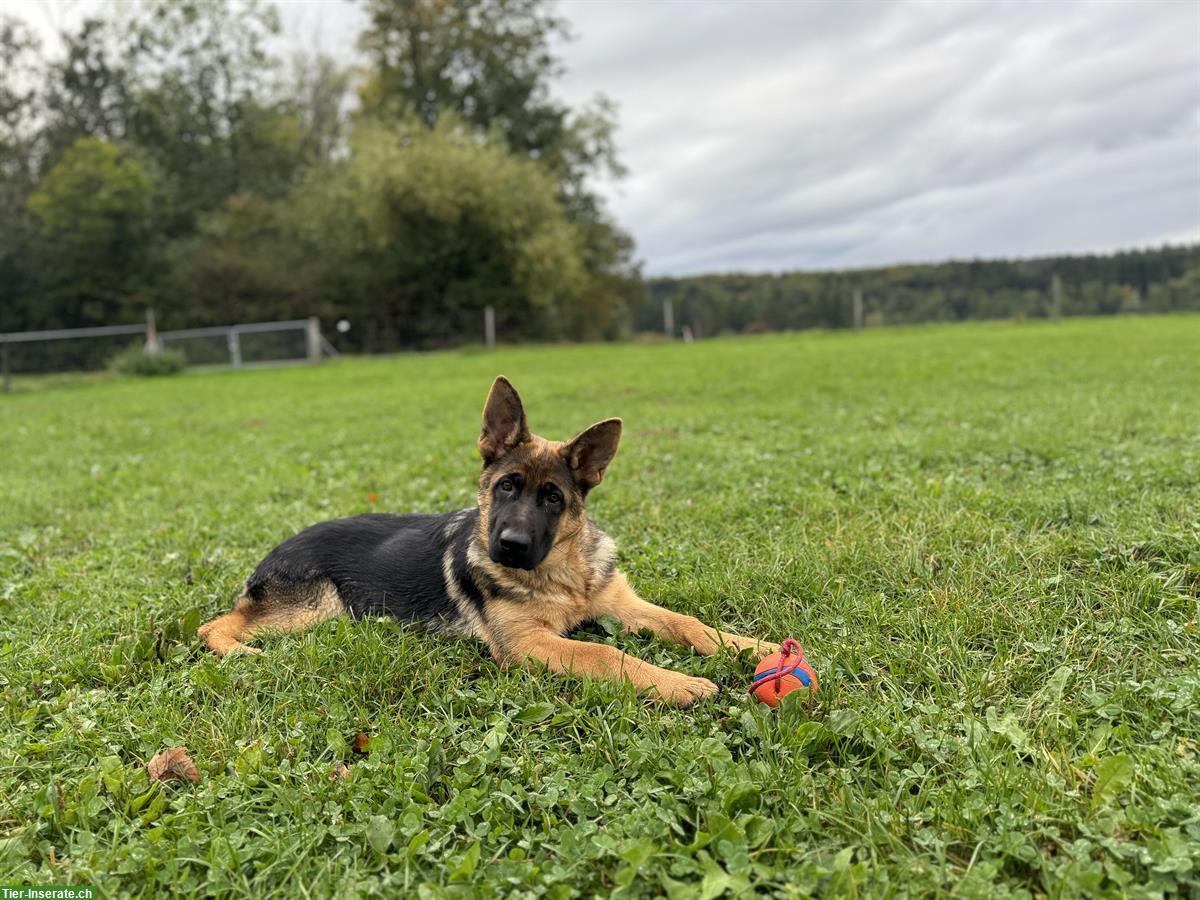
(781, 135)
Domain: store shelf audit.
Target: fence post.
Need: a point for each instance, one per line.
(4, 365)
(312, 335)
(489, 326)
(858, 309)
(1055, 296)
(153, 345)
(669, 318)
(235, 348)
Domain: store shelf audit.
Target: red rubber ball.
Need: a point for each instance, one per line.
(781, 673)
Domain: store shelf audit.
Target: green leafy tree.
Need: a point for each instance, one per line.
(245, 255)
(486, 62)
(20, 73)
(190, 83)
(316, 95)
(88, 90)
(96, 211)
(490, 64)
(204, 110)
(419, 230)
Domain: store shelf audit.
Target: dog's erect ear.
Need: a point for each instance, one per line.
(589, 453)
(503, 421)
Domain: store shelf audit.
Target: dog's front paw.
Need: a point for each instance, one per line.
(684, 690)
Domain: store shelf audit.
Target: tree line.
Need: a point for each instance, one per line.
(1166, 279)
(169, 157)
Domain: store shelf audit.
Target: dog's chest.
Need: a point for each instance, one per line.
(560, 609)
(550, 604)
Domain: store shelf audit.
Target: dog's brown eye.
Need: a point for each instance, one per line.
(506, 485)
(554, 497)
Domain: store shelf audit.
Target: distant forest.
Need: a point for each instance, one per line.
(1160, 280)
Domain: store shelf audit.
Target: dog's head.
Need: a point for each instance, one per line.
(532, 491)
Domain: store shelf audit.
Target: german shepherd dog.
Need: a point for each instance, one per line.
(519, 571)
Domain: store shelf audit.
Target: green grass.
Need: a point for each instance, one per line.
(987, 538)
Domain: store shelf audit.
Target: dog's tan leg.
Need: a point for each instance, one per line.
(283, 609)
(619, 599)
(602, 661)
(224, 634)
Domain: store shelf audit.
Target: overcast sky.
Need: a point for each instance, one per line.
(780, 135)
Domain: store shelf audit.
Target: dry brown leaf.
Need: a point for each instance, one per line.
(360, 742)
(172, 763)
(341, 770)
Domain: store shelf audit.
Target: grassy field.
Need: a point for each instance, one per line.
(987, 537)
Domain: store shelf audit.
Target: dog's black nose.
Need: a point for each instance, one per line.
(513, 541)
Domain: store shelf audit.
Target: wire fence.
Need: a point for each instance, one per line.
(391, 331)
(64, 350)
(236, 346)
(252, 344)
